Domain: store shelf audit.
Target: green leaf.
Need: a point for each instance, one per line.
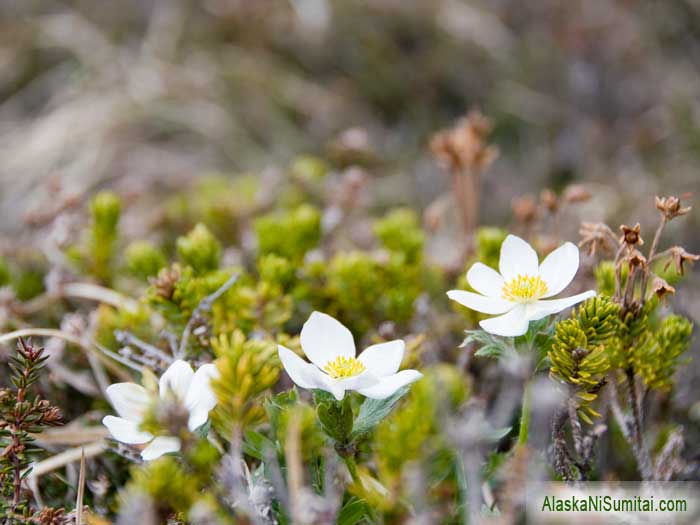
(336, 419)
(497, 433)
(489, 345)
(373, 411)
(257, 445)
(353, 512)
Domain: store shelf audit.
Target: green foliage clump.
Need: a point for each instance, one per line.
(167, 483)
(605, 278)
(658, 358)
(579, 355)
(413, 429)
(400, 233)
(290, 234)
(365, 291)
(200, 250)
(355, 285)
(110, 319)
(488, 245)
(217, 201)
(105, 210)
(248, 369)
(28, 282)
(144, 259)
(5, 275)
(276, 270)
(22, 416)
(308, 168)
(634, 330)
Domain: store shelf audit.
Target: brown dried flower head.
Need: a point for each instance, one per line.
(549, 200)
(670, 207)
(596, 236)
(49, 516)
(576, 193)
(679, 257)
(636, 260)
(661, 288)
(164, 283)
(463, 147)
(524, 209)
(631, 236)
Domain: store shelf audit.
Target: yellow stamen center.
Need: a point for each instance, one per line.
(524, 289)
(344, 367)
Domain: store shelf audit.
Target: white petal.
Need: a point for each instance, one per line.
(383, 359)
(129, 400)
(485, 280)
(337, 390)
(541, 309)
(517, 257)
(364, 380)
(176, 379)
(387, 386)
(200, 398)
(512, 324)
(559, 267)
(304, 374)
(126, 431)
(323, 339)
(159, 446)
(480, 303)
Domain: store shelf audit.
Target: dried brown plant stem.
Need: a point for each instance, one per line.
(66, 457)
(81, 490)
(89, 291)
(639, 447)
(652, 253)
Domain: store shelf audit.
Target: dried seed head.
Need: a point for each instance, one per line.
(576, 193)
(631, 236)
(670, 207)
(166, 280)
(524, 209)
(549, 200)
(48, 516)
(636, 260)
(596, 236)
(661, 288)
(679, 257)
(463, 147)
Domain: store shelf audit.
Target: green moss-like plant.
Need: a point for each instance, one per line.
(200, 250)
(290, 234)
(248, 369)
(579, 356)
(144, 259)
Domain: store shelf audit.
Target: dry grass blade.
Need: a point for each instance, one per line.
(81, 490)
(67, 456)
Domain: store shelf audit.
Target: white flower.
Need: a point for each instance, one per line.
(132, 401)
(334, 368)
(516, 292)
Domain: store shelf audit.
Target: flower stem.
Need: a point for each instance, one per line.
(352, 468)
(525, 415)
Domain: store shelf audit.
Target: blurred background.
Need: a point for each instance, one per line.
(205, 110)
(144, 96)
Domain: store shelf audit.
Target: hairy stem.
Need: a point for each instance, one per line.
(525, 415)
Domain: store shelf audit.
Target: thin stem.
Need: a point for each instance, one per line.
(352, 468)
(652, 253)
(204, 305)
(640, 450)
(463, 488)
(525, 415)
